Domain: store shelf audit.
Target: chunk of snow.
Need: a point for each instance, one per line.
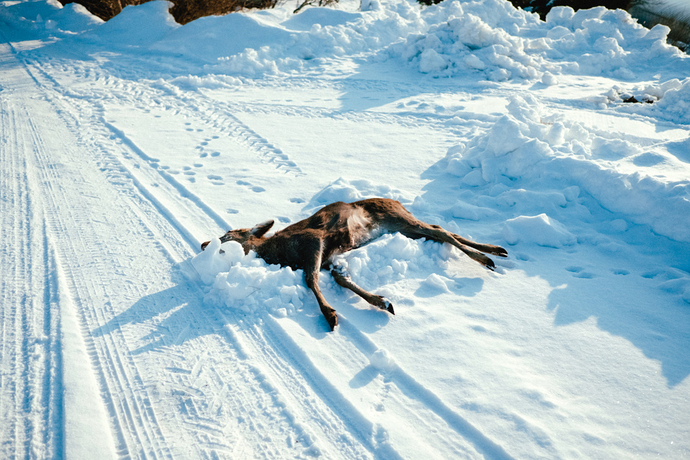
(541, 230)
(381, 360)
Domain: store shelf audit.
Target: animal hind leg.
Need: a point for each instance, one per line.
(488, 248)
(418, 229)
(372, 299)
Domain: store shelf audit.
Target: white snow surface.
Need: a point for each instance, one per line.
(126, 144)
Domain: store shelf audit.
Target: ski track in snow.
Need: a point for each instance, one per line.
(31, 383)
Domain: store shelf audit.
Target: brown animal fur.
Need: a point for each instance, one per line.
(340, 227)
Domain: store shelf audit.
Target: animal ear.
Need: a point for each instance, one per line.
(260, 230)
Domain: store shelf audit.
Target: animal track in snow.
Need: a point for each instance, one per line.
(215, 180)
(579, 272)
(253, 188)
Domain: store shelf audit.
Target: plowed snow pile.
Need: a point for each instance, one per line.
(126, 144)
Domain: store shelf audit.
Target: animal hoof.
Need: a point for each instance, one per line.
(389, 307)
(332, 321)
(490, 264)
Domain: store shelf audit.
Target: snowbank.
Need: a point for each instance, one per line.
(531, 161)
(494, 39)
(491, 39)
(139, 25)
(49, 18)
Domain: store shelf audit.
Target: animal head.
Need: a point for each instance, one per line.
(247, 237)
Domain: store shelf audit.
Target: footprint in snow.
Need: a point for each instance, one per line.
(215, 180)
(579, 272)
(253, 188)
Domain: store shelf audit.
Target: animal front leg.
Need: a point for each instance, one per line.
(312, 280)
(372, 299)
(311, 277)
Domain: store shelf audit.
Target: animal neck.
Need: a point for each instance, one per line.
(252, 244)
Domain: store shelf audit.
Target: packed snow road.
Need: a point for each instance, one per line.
(105, 237)
(125, 145)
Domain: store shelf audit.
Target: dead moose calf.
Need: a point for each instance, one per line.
(310, 244)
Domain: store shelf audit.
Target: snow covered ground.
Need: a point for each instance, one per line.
(126, 144)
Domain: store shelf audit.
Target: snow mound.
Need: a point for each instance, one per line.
(503, 43)
(394, 257)
(382, 360)
(540, 230)
(247, 283)
(472, 36)
(209, 38)
(137, 25)
(275, 43)
(531, 162)
(49, 18)
(355, 190)
(674, 103)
